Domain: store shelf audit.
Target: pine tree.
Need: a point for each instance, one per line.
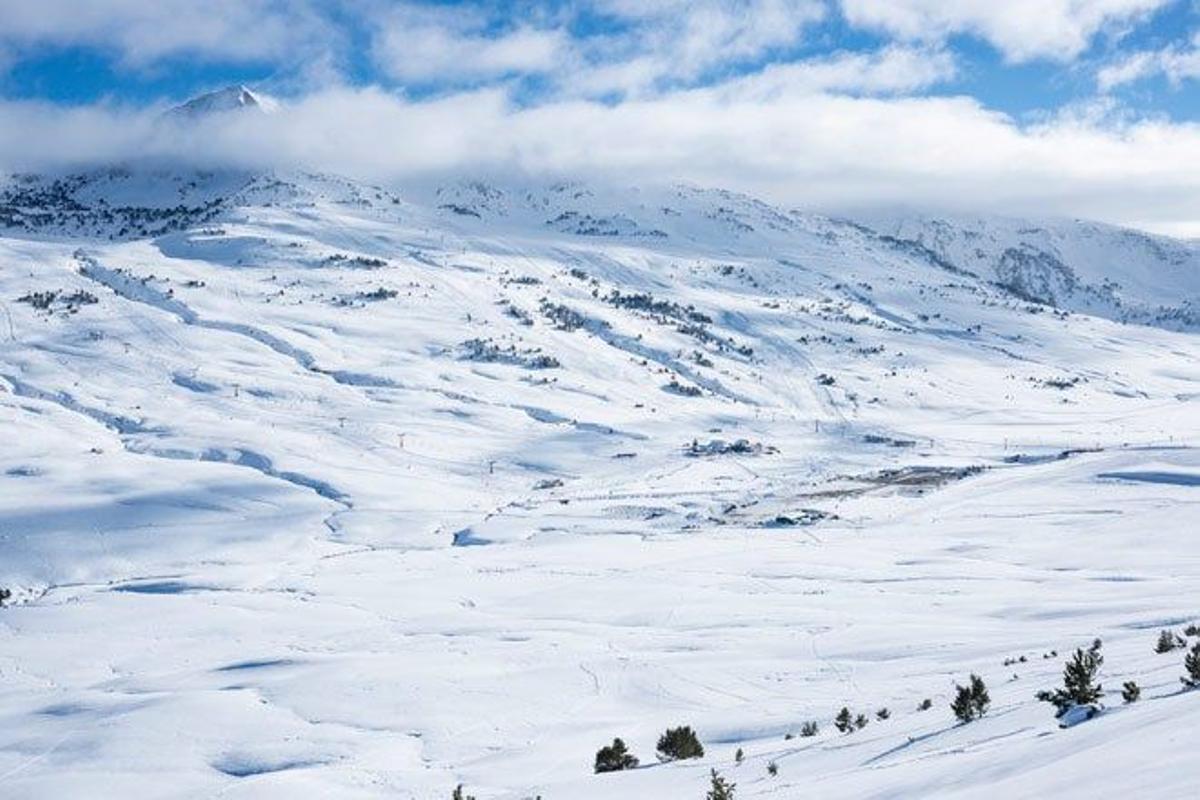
(458, 794)
(971, 701)
(980, 699)
(719, 788)
(925, 705)
(615, 757)
(679, 743)
(739, 756)
(1167, 641)
(772, 769)
(1079, 686)
(809, 729)
(844, 721)
(1080, 674)
(882, 714)
(860, 721)
(961, 706)
(1191, 662)
(1131, 692)
(5, 594)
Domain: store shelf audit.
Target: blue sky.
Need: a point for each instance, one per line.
(50, 59)
(1087, 107)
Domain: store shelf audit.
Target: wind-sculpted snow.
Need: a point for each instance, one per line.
(140, 292)
(341, 491)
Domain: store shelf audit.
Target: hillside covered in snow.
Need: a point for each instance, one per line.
(318, 488)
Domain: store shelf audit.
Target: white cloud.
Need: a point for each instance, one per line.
(694, 35)
(1176, 63)
(893, 70)
(652, 44)
(141, 32)
(1129, 69)
(785, 134)
(1021, 29)
(666, 42)
(425, 44)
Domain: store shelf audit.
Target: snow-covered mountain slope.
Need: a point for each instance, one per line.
(319, 488)
(1082, 266)
(230, 98)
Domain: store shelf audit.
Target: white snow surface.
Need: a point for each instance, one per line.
(230, 98)
(310, 489)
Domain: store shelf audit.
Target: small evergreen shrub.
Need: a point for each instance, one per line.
(1079, 681)
(1192, 630)
(1131, 692)
(458, 794)
(772, 769)
(971, 701)
(615, 757)
(682, 389)
(882, 714)
(5, 596)
(844, 721)
(860, 722)
(719, 788)
(1168, 641)
(679, 743)
(739, 756)
(809, 729)
(925, 705)
(1191, 663)
(961, 705)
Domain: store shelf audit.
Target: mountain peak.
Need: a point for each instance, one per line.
(230, 98)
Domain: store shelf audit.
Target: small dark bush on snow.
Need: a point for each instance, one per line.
(615, 757)
(1079, 681)
(1168, 641)
(1191, 663)
(971, 701)
(679, 743)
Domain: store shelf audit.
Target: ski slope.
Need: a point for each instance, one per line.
(317, 489)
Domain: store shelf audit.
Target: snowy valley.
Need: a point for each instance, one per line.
(313, 488)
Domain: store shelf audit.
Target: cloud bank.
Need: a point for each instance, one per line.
(715, 92)
(787, 137)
